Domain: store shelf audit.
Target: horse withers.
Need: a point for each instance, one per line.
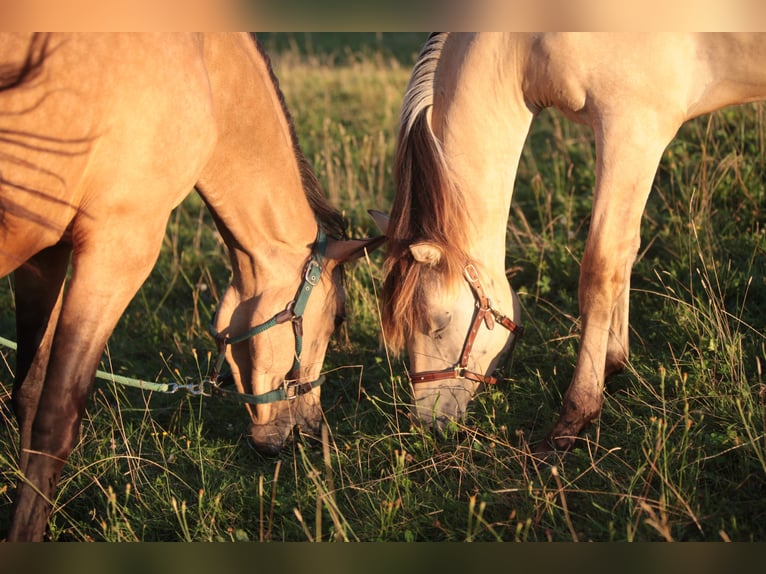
(101, 136)
(464, 121)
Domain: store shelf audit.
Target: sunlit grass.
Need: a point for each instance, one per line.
(678, 454)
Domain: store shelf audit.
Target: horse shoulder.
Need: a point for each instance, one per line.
(555, 74)
(641, 79)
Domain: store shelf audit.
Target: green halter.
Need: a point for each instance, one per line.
(291, 387)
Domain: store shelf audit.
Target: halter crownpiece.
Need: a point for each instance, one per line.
(485, 313)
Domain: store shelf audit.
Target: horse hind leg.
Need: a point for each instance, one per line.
(39, 289)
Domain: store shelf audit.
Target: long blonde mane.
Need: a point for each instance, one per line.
(427, 206)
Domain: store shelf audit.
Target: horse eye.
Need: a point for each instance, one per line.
(439, 323)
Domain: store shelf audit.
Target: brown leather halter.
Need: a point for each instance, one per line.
(484, 313)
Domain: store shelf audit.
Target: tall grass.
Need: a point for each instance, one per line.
(679, 452)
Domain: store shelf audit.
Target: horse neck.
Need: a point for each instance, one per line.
(480, 117)
(253, 183)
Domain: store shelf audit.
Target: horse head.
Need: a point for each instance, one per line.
(275, 341)
(456, 321)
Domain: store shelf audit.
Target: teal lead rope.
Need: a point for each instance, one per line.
(194, 388)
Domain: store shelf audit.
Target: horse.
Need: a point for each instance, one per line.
(466, 113)
(101, 137)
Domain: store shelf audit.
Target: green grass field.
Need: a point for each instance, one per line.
(680, 449)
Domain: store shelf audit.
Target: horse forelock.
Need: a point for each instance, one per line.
(405, 294)
(328, 218)
(428, 207)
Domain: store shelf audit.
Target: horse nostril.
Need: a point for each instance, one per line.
(265, 449)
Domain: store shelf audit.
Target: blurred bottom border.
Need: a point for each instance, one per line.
(378, 558)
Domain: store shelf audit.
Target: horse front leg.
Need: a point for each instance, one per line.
(104, 279)
(604, 277)
(627, 157)
(39, 289)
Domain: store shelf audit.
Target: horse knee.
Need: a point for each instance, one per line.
(56, 431)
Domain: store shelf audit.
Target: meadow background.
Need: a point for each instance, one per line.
(678, 454)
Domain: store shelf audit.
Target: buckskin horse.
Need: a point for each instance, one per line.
(101, 136)
(465, 116)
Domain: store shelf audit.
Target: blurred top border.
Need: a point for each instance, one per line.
(383, 15)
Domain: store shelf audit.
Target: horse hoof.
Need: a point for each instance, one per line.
(562, 443)
(555, 443)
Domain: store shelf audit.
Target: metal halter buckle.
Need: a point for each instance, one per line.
(471, 274)
(295, 389)
(313, 273)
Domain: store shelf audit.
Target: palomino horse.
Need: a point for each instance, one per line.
(101, 136)
(465, 117)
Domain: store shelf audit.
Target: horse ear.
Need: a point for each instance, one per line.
(381, 220)
(349, 249)
(426, 253)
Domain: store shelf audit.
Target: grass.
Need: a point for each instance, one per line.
(678, 454)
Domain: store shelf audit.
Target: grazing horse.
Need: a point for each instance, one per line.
(465, 117)
(101, 136)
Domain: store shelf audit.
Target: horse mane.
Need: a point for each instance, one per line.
(12, 76)
(427, 207)
(328, 218)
